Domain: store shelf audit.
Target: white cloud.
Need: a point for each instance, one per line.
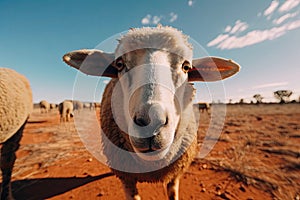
(227, 29)
(217, 40)
(285, 17)
(288, 5)
(232, 37)
(191, 2)
(274, 4)
(252, 37)
(156, 19)
(146, 20)
(293, 25)
(239, 27)
(173, 17)
(270, 85)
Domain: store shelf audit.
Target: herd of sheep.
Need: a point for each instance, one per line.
(159, 138)
(66, 108)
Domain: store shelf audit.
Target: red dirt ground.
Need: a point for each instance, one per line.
(256, 157)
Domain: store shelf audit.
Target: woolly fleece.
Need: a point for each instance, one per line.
(15, 102)
(162, 37)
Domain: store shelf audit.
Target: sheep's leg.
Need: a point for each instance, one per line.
(68, 115)
(8, 157)
(130, 189)
(173, 189)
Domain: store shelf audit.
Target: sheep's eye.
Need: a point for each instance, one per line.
(120, 64)
(186, 66)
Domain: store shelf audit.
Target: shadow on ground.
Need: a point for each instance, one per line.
(36, 121)
(38, 189)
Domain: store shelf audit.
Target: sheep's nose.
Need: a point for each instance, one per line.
(152, 115)
(142, 121)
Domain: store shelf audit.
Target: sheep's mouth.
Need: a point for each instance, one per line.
(152, 155)
(147, 151)
(149, 145)
(152, 148)
(148, 148)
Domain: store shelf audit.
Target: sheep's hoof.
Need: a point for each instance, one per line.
(137, 197)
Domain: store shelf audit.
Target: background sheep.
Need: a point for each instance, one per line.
(53, 106)
(202, 106)
(65, 110)
(160, 126)
(97, 105)
(77, 105)
(92, 106)
(44, 106)
(87, 105)
(15, 106)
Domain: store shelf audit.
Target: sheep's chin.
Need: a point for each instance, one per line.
(154, 155)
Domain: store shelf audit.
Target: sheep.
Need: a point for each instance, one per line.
(15, 107)
(77, 105)
(45, 106)
(87, 105)
(53, 106)
(97, 105)
(146, 109)
(92, 106)
(65, 110)
(203, 106)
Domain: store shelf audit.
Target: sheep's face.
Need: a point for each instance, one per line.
(152, 67)
(153, 83)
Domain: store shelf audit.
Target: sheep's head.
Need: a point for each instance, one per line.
(153, 66)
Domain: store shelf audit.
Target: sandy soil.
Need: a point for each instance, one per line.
(256, 157)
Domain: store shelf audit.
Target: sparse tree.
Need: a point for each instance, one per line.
(258, 98)
(241, 101)
(283, 95)
(230, 101)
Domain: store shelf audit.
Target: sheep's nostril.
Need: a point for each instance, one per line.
(167, 121)
(141, 121)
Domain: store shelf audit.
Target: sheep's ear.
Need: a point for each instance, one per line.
(212, 69)
(92, 62)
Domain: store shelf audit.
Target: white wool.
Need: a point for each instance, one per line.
(15, 102)
(65, 110)
(44, 104)
(164, 38)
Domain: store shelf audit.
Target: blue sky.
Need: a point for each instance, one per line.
(262, 36)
